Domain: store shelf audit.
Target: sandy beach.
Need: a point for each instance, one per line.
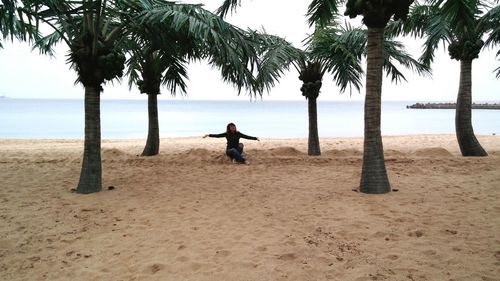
(190, 214)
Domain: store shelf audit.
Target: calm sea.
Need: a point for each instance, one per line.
(126, 119)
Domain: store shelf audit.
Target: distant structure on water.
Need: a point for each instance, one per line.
(452, 105)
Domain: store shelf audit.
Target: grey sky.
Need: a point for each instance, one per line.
(26, 74)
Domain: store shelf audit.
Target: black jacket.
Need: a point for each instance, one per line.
(233, 139)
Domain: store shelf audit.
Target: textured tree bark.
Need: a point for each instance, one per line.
(374, 178)
(469, 145)
(313, 141)
(153, 142)
(91, 173)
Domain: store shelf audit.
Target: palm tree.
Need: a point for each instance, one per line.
(96, 31)
(462, 24)
(91, 30)
(159, 57)
(376, 15)
(311, 74)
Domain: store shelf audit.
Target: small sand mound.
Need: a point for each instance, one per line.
(198, 152)
(494, 152)
(392, 152)
(260, 153)
(342, 153)
(201, 154)
(112, 153)
(285, 151)
(433, 152)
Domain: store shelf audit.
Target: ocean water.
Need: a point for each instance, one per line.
(127, 119)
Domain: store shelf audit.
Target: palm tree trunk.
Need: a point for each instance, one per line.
(90, 176)
(313, 142)
(153, 142)
(469, 145)
(374, 175)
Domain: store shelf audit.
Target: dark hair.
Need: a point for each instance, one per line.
(229, 125)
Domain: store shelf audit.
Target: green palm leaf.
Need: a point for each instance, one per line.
(227, 5)
(275, 56)
(395, 51)
(340, 49)
(322, 12)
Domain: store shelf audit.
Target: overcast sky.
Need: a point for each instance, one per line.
(26, 74)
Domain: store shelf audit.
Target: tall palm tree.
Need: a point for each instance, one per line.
(462, 24)
(311, 75)
(91, 30)
(159, 56)
(95, 32)
(330, 50)
(376, 14)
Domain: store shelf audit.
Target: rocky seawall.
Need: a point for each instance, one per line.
(452, 106)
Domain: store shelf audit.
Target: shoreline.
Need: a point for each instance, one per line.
(172, 144)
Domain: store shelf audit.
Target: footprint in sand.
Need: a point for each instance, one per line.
(429, 252)
(222, 253)
(155, 268)
(416, 233)
(497, 255)
(287, 257)
(261, 248)
(392, 257)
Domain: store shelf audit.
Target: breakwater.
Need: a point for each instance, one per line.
(452, 106)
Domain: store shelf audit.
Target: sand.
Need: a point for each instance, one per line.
(189, 214)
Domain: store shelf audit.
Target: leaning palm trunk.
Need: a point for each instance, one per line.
(313, 141)
(374, 175)
(469, 145)
(90, 176)
(153, 142)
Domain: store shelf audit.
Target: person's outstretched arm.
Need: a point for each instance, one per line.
(248, 137)
(215, 135)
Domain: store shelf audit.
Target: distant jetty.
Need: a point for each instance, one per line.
(452, 106)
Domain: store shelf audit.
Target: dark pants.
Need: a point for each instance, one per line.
(235, 153)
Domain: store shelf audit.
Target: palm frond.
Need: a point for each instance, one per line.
(227, 5)
(46, 43)
(340, 50)
(497, 70)
(275, 56)
(490, 22)
(322, 12)
(133, 72)
(175, 77)
(395, 51)
(416, 23)
(438, 31)
(15, 23)
(462, 15)
(228, 48)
